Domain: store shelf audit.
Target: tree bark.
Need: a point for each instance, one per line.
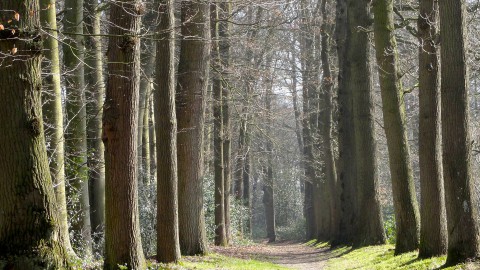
(30, 227)
(404, 200)
(120, 123)
(219, 175)
(53, 112)
(191, 90)
(76, 131)
(461, 207)
(167, 174)
(369, 223)
(268, 185)
(96, 86)
(433, 230)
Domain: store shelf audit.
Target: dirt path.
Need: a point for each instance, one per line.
(289, 254)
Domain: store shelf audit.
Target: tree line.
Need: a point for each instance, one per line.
(283, 106)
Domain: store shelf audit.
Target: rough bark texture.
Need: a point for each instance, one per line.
(433, 230)
(219, 175)
(369, 223)
(30, 231)
(53, 116)
(167, 174)
(346, 140)
(462, 210)
(76, 131)
(326, 121)
(191, 90)
(96, 87)
(407, 216)
(120, 122)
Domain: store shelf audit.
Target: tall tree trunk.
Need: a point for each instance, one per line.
(191, 90)
(219, 175)
(404, 200)
(268, 184)
(326, 121)
(53, 116)
(167, 174)
(76, 131)
(120, 123)
(433, 231)
(309, 96)
(224, 46)
(30, 227)
(369, 223)
(96, 86)
(462, 211)
(346, 171)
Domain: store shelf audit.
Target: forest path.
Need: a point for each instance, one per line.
(294, 255)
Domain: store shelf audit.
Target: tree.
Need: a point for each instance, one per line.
(462, 211)
(76, 131)
(433, 231)
(168, 246)
(53, 115)
(346, 140)
(218, 129)
(31, 236)
(191, 90)
(96, 87)
(404, 200)
(369, 223)
(122, 229)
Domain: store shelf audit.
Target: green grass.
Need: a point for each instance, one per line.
(382, 258)
(217, 261)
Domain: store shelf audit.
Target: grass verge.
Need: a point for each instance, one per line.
(217, 261)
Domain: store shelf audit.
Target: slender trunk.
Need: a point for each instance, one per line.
(369, 223)
(191, 91)
(145, 145)
(167, 174)
(433, 231)
(76, 131)
(120, 124)
(268, 186)
(53, 116)
(224, 46)
(96, 86)
(30, 231)
(461, 206)
(219, 175)
(404, 199)
(346, 140)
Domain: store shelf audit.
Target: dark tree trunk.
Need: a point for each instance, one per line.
(120, 123)
(461, 207)
(369, 223)
(346, 140)
(191, 90)
(433, 231)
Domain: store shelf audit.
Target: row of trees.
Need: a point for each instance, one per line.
(193, 88)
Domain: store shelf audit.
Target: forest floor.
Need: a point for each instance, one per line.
(292, 255)
(286, 255)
